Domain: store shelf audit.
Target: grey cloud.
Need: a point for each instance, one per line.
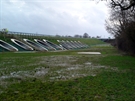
(63, 18)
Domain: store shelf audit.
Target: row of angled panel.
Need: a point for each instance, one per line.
(28, 45)
(72, 44)
(41, 45)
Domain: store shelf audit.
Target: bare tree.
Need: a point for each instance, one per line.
(123, 4)
(121, 24)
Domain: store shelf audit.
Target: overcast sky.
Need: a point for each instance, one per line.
(51, 17)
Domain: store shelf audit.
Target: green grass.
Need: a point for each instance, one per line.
(107, 86)
(123, 62)
(108, 77)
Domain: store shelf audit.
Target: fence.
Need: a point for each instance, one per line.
(21, 34)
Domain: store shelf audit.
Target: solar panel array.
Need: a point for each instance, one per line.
(40, 45)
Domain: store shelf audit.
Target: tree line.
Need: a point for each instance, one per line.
(121, 24)
(85, 35)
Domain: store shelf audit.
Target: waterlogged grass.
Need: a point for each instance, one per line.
(67, 76)
(108, 86)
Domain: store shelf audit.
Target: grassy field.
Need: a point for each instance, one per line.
(67, 76)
